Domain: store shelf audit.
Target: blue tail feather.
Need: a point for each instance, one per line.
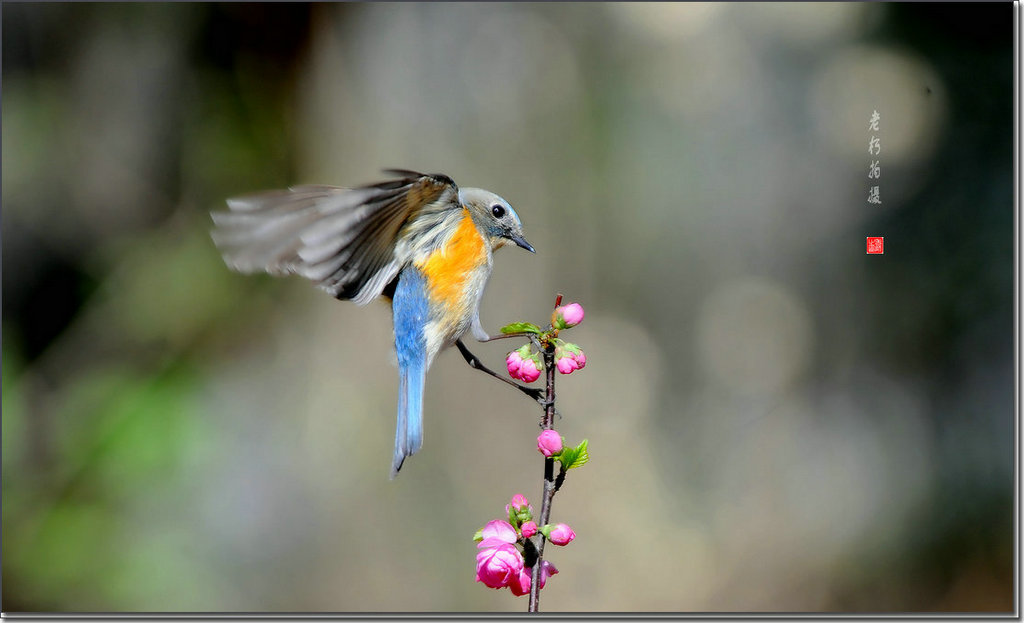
(409, 305)
(409, 429)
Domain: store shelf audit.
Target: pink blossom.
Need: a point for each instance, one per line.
(514, 362)
(561, 534)
(497, 566)
(546, 570)
(566, 365)
(569, 358)
(568, 316)
(529, 371)
(520, 585)
(529, 529)
(500, 530)
(519, 503)
(549, 442)
(491, 543)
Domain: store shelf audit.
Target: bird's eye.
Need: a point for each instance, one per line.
(498, 211)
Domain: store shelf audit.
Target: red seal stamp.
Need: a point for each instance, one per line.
(875, 245)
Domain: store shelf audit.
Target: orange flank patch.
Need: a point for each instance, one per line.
(448, 268)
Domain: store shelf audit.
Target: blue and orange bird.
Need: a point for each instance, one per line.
(418, 239)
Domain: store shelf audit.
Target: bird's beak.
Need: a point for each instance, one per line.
(520, 241)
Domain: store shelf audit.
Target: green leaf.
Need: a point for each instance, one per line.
(566, 456)
(521, 327)
(479, 536)
(580, 457)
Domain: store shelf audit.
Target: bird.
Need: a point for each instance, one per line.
(416, 239)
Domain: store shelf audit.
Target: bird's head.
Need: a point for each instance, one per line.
(494, 217)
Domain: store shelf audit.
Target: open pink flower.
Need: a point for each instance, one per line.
(561, 534)
(549, 442)
(497, 532)
(546, 570)
(520, 585)
(497, 566)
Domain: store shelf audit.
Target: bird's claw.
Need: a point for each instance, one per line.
(537, 395)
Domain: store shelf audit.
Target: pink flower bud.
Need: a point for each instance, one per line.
(514, 361)
(561, 534)
(529, 529)
(568, 316)
(566, 365)
(497, 566)
(520, 585)
(529, 371)
(569, 358)
(499, 530)
(518, 504)
(549, 442)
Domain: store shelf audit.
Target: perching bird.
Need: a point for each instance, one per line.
(418, 239)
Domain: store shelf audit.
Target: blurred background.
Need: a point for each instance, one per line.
(777, 421)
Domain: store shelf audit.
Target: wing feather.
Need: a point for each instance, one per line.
(343, 239)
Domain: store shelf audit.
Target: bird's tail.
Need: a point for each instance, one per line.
(409, 431)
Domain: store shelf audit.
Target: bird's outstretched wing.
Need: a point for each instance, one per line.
(343, 239)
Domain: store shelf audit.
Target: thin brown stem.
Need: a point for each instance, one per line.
(505, 336)
(547, 423)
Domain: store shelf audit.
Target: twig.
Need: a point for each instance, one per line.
(547, 423)
(505, 336)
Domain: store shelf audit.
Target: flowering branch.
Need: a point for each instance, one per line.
(548, 424)
(511, 553)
